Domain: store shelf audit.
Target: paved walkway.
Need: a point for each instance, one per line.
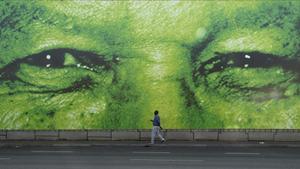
(146, 143)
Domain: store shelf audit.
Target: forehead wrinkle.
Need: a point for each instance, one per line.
(166, 21)
(93, 12)
(97, 22)
(283, 14)
(50, 14)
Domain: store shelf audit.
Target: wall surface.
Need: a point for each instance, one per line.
(110, 64)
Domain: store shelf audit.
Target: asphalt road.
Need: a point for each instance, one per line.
(139, 157)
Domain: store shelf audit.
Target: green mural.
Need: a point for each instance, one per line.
(110, 64)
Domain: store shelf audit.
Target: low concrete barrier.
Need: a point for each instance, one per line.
(2, 135)
(287, 135)
(206, 135)
(233, 135)
(47, 135)
(73, 135)
(99, 135)
(261, 135)
(145, 134)
(20, 135)
(125, 135)
(186, 135)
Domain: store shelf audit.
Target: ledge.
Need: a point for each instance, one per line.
(276, 135)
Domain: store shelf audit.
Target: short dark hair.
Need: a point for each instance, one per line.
(156, 112)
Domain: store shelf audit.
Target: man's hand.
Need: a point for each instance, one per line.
(160, 127)
(151, 120)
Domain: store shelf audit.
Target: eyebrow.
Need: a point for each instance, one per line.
(14, 19)
(16, 15)
(19, 17)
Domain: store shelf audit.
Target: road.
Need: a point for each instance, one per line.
(139, 157)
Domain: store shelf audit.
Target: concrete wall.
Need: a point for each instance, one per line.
(145, 134)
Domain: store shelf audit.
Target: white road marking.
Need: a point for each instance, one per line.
(241, 153)
(164, 160)
(150, 152)
(72, 145)
(45, 151)
(5, 158)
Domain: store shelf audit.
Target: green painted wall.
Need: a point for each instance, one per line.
(110, 64)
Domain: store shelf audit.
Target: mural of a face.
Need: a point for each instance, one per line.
(109, 65)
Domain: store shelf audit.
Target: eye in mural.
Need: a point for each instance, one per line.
(257, 67)
(109, 65)
(42, 70)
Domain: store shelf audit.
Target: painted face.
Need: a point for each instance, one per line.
(94, 64)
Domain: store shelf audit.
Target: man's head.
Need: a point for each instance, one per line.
(156, 112)
(105, 64)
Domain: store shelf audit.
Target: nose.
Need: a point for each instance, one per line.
(164, 67)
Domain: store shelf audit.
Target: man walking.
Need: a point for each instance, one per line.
(156, 128)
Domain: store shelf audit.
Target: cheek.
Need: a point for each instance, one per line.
(235, 113)
(49, 111)
(25, 111)
(81, 109)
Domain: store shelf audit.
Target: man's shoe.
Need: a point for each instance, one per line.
(162, 141)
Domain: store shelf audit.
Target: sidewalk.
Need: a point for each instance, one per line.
(146, 144)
